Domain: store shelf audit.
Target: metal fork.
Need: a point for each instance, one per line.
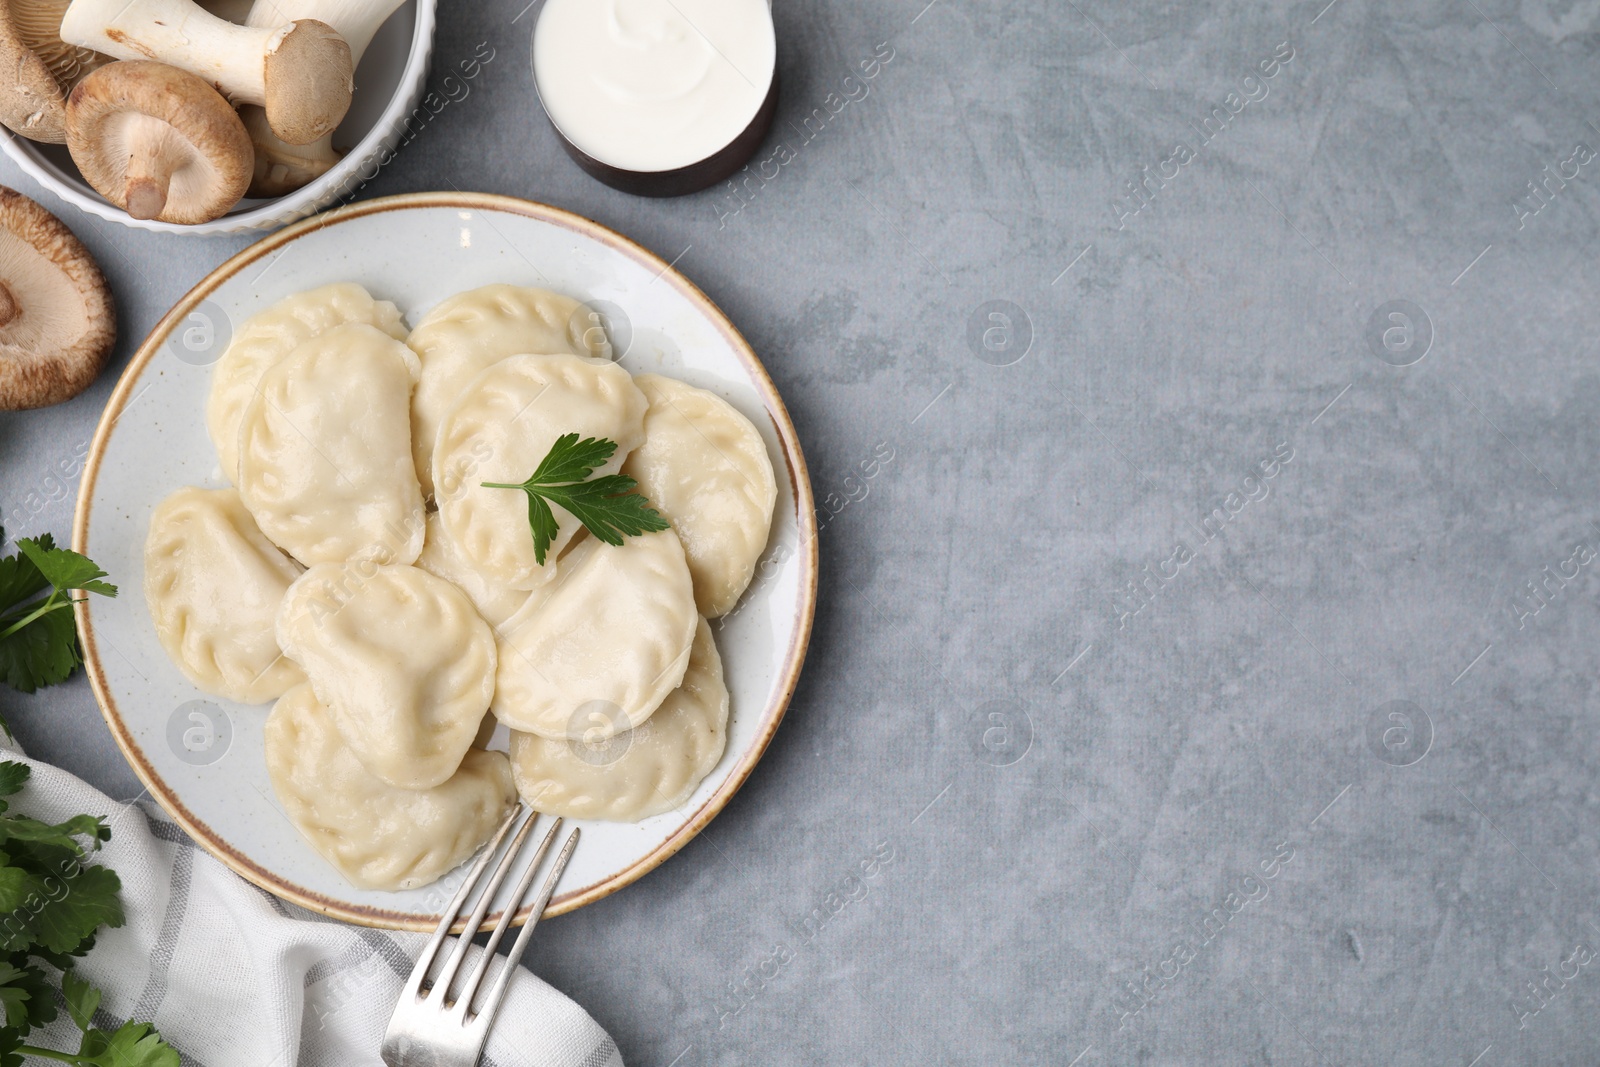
(429, 1028)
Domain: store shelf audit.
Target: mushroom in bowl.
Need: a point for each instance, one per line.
(282, 166)
(385, 109)
(43, 67)
(158, 142)
(300, 72)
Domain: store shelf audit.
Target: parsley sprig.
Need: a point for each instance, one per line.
(607, 506)
(53, 905)
(38, 642)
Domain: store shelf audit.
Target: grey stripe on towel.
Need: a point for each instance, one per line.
(155, 986)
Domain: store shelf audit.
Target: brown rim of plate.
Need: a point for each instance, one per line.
(805, 521)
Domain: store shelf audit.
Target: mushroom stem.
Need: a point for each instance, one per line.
(354, 20)
(151, 162)
(300, 72)
(280, 167)
(155, 153)
(8, 305)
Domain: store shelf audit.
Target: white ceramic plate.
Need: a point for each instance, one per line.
(201, 756)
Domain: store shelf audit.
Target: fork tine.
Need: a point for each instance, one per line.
(430, 952)
(441, 984)
(469, 988)
(497, 991)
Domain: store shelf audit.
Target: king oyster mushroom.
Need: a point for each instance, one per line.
(38, 68)
(158, 142)
(281, 168)
(57, 322)
(300, 72)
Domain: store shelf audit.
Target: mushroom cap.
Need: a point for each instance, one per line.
(158, 142)
(32, 102)
(38, 24)
(59, 323)
(309, 78)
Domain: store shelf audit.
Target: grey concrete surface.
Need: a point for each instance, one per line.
(1096, 759)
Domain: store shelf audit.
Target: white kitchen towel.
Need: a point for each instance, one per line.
(234, 977)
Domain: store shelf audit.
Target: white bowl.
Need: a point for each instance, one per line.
(389, 84)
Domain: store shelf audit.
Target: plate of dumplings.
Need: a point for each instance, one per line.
(434, 506)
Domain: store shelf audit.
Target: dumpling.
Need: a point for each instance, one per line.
(648, 770)
(378, 837)
(266, 337)
(325, 450)
(706, 470)
(468, 333)
(401, 659)
(442, 559)
(604, 648)
(500, 430)
(213, 584)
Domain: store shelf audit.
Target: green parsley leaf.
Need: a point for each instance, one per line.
(572, 460)
(43, 652)
(16, 886)
(13, 776)
(62, 961)
(82, 999)
(10, 1044)
(88, 903)
(63, 835)
(606, 506)
(543, 523)
(32, 997)
(133, 1045)
(64, 568)
(51, 908)
(38, 640)
(13, 996)
(20, 579)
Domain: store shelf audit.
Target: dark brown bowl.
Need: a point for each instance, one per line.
(689, 179)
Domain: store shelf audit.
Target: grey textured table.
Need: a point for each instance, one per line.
(1288, 414)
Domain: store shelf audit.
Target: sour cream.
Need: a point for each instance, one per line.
(653, 85)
